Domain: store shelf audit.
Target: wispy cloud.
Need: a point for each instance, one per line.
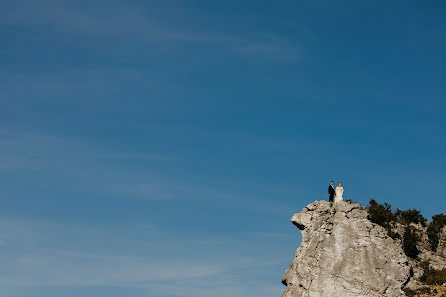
(83, 166)
(40, 255)
(136, 156)
(81, 162)
(64, 269)
(140, 25)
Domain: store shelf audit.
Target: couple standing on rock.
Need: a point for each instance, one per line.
(335, 195)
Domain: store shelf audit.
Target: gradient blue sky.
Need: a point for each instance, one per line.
(159, 148)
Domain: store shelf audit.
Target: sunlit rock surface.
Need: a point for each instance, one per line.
(344, 254)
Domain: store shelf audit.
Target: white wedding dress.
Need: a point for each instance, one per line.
(339, 194)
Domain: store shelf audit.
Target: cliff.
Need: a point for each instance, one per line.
(344, 254)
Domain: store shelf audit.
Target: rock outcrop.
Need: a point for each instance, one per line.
(344, 254)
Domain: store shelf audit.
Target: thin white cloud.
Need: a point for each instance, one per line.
(83, 165)
(136, 156)
(139, 25)
(86, 167)
(40, 256)
(95, 270)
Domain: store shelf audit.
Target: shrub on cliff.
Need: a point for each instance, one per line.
(432, 276)
(391, 234)
(418, 292)
(410, 216)
(380, 214)
(383, 215)
(410, 240)
(434, 229)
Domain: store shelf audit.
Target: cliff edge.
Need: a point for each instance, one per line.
(344, 254)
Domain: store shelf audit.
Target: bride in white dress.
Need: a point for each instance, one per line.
(339, 193)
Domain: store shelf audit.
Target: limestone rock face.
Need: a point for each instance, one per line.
(344, 254)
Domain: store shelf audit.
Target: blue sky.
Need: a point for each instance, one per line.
(159, 148)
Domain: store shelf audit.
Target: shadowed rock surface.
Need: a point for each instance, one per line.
(344, 254)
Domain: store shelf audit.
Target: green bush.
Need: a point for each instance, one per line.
(380, 214)
(410, 216)
(410, 240)
(434, 229)
(432, 276)
(418, 292)
(391, 234)
(439, 219)
(433, 235)
(383, 215)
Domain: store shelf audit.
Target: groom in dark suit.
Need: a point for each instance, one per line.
(331, 192)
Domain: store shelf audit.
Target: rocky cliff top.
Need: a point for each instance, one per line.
(344, 254)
